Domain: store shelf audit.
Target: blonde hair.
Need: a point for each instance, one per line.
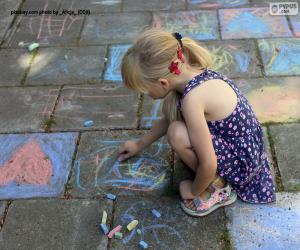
(149, 57)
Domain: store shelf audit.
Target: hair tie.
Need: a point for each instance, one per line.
(178, 38)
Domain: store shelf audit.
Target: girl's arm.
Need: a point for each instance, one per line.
(159, 129)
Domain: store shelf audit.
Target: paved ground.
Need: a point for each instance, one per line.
(55, 172)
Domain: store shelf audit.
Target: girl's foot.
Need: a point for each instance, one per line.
(220, 198)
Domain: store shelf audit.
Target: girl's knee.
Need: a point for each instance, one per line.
(177, 135)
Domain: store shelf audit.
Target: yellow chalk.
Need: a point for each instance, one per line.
(132, 225)
(104, 217)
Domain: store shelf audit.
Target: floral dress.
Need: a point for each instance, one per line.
(239, 146)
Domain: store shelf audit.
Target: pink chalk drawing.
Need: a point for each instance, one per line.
(51, 26)
(28, 165)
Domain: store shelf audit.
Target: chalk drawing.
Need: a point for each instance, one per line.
(200, 25)
(35, 165)
(274, 226)
(107, 2)
(113, 70)
(280, 56)
(205, 4)
(295, 22)
(147, 121)
(252, 23)
(145, 172)
(165, 225)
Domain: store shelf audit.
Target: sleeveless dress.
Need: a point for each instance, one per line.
(239, 146)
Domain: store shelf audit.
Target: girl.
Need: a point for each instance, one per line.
(208, 121)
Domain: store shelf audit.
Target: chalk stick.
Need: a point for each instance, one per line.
(143, 244)
(110, 196)
(116, 229)
(33, 46)
(104, 217)
(139, 232)
(88, 123)
(104, 228)
(118, 235)
(132, 225)
(156, 213)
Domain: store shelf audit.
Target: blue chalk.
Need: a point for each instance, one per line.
(104, 228)
(88, 123)
(110, 196)
(156, 213)
(143, 244)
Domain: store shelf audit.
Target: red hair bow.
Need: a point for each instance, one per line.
(174, 68)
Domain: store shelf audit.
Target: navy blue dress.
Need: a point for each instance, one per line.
(239, 146)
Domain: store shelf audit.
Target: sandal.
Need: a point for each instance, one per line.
(219, 198)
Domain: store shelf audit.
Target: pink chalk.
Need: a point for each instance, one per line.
(113, 231)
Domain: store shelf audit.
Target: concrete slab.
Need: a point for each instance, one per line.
(113, 27)
(201, 25)
(207, 4)
(46, 29)
(35, 165)
(173, 230)
(13, 63)
(97, 170)
(274, 98)
(92, 5)
(113, 66)
(234, 58)
(55, 224)
(276, 51)
(28, 108)
(5, 13)
(3, 205)
(286, 143)
(252, 23)
(295, 22)
(273, 226)
(151, 111)
(78, 104)
(73, 65)
(144, 5)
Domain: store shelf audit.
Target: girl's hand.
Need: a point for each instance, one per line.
(128, 149)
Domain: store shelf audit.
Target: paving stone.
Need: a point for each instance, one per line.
(55, 224)
(151, 111)
(28, 108)
(272, 226)
(35, 165)
(5, 13)
(274, 98)
(286, 143)
(295, 22)
(202, 25)
(13, 64)
(97, 170)
(252, 23)
(280, 56)
(207, 4)
(113, 67)
(113, 27)
(144, 5)
(46, 29)
(234, 58)
(78, 104)
(3, 205)
(72, 65)
(173, 230)
(92, 5)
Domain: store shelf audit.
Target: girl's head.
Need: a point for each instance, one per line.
(145, 65)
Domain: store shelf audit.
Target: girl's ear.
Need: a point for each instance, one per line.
(164, 83)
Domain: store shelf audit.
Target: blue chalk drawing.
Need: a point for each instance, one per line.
(285, 61)
(166, 224)
(113, 70)
(243, 61)
(58, 147)
(154, 115)
(148, 171)
(265, 227)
